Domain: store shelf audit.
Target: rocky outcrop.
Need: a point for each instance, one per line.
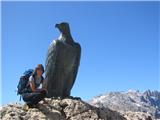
(137, 116)
(57, 109)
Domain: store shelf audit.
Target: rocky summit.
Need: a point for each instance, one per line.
(65, 109)
(58, 109)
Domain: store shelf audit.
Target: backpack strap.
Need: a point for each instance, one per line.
(28, 84)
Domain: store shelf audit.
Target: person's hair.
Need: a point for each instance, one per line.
(39, 66)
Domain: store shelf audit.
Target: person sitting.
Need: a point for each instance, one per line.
(34, 93)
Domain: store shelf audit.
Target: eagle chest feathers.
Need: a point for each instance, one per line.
(66, 55)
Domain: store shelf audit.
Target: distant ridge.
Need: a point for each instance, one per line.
(132, 100)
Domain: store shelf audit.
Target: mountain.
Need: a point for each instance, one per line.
(66, 109)
(130, 101)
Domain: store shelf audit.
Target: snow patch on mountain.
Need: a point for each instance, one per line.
(132, 100)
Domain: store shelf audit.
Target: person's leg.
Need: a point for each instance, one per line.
(33, 98)
(38, 97)
(27, 96)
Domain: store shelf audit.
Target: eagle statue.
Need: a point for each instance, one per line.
(62, 63)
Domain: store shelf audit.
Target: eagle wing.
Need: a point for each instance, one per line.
(50, 63)
(72, 77)
(76, 63)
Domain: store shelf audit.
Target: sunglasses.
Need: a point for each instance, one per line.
(39, 69)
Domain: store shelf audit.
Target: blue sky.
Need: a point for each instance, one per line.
(119, 43)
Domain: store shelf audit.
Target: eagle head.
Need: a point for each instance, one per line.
(63, 27)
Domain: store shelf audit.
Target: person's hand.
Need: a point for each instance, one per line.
(38, 90)
(41, 90)
(45, 89)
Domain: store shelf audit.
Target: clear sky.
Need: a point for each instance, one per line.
(119, 43)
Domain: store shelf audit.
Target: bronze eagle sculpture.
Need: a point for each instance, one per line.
(62, 63)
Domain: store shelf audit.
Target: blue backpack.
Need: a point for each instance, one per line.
(23, 82)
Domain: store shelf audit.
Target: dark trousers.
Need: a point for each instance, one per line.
(34, 97)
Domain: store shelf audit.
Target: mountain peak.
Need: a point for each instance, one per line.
(133, 91)
(132, 100)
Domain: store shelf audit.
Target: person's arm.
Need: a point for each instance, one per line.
(31, 83)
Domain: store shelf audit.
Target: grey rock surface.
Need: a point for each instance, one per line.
(58, 109)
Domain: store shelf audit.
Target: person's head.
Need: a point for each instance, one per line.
(39, 70)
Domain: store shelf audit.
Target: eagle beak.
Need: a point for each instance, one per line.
(57, 25)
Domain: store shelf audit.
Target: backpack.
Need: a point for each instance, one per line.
(23, 82)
